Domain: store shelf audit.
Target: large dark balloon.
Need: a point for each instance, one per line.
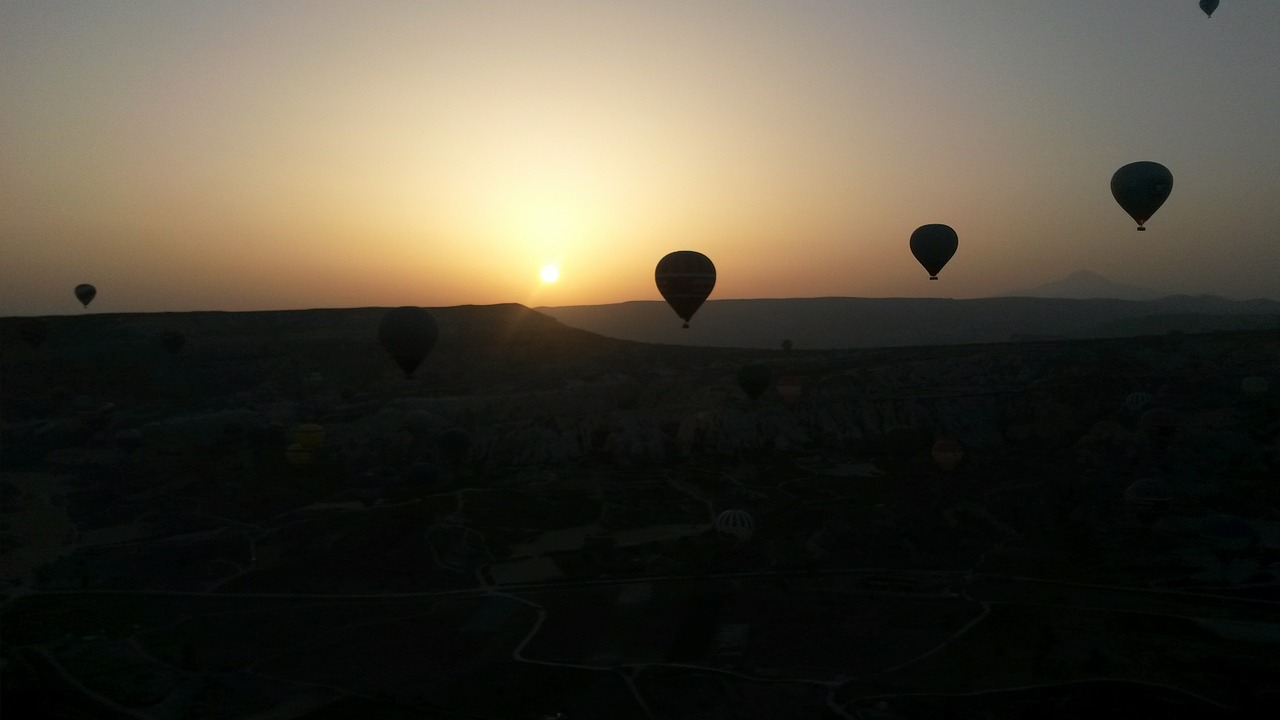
(1208, 6)
(85, 293)
(754, 379)
(1141, 188)
(408, 334)
(933, 246)
(173, 341)
(685, 279)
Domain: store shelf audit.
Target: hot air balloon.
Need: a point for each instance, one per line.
(418, 422)
(685, 278)
(1136, 402)
(790, 388)
(408, 334)
(948, 454)
(454, 445)
(1208, 6)
(754, 379)
(1141, 188)
(737, 524)
(933, 246)
(85, 293)
(129, 440)
(1255, 386)
(296, 454)
(1148, 493)
(173, 341)
(309, 435)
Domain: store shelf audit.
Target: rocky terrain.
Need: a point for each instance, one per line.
(272, 521)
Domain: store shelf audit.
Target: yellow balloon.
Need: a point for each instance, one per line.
(297, 454)
(310, 436)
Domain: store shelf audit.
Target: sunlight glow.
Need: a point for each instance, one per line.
(549, 273)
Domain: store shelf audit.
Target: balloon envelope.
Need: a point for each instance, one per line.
(685, 278)
(309, 435)
(85, 293)
(754, 379)
(454, 445)
(1208, 6)
(737, 524)
(1136, 402)
(1141, 188)
(933, 246)
(1254, 385)
(947, 454)
(790, 387)
(408, 334)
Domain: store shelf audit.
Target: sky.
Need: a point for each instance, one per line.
(188, 155)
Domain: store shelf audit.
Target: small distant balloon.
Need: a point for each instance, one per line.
(685, 278)
(408, 334)
(754, 379)
(933, 246)
(1148, 492)
(129, 439)
(454, 445)
(418, 422)
(737, 524)
(1141, 188)
(85, 293)
(1136, 402)
(948, 454)
(309, 436)
(297, 454)
(1255, 386)
(790, 388)
(1208, 6)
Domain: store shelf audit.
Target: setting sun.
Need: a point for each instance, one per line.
(549, 273)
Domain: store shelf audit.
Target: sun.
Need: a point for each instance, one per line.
(549, 273)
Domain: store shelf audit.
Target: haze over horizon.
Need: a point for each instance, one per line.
(234, 156)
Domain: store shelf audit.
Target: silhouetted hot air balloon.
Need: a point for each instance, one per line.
(790, 388)
(85, 293)
(1208, 6)
(737, 524)
(173, 341)
(933, 245)
(754, 379)
(685, 278)
(309, 435)
(1254, 385)
(297, 454)
(454, 445)
(948, 454)
(408, 334)
(1136, 402)
(1141, 188)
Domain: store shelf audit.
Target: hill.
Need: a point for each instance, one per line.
(894, 322)
(1085, 285)
(528, 526)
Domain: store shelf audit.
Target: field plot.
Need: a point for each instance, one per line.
(1018, 646)
(812, 633)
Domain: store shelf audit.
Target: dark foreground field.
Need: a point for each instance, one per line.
(165, 557)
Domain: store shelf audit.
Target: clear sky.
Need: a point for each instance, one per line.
(232, 155)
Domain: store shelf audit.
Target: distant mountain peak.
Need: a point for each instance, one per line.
(1087, 285)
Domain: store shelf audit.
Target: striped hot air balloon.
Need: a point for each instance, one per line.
(685, 278)
(737, 524)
